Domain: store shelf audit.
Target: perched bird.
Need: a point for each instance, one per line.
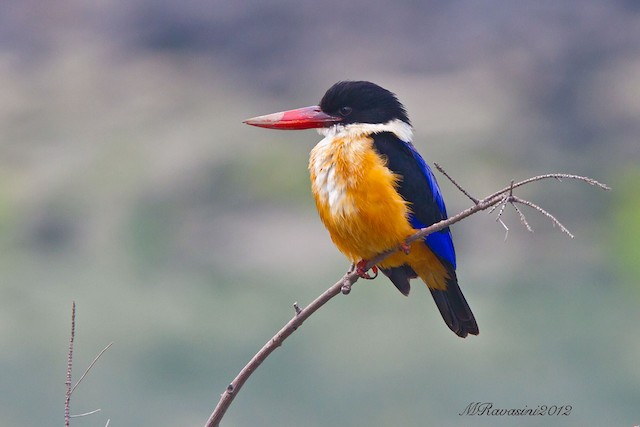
(373, 190)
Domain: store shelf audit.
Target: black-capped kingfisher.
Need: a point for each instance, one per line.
(373, 190)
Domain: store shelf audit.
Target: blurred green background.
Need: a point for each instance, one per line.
(129, 184)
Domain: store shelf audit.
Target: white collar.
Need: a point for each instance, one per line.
(402, 130)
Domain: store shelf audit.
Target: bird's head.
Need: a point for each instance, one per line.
(345, 103)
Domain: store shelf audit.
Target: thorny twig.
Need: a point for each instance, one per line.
(344, 285)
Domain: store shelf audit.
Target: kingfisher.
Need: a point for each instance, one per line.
(373, 190)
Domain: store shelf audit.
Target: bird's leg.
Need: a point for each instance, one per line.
(360, 270)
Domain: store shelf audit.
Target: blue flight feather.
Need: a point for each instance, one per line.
(440, 242)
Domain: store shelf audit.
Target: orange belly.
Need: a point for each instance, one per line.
(357, 199)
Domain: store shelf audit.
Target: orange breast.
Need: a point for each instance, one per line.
(356, 197)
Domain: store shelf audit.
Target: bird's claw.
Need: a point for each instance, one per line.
(406, 248)
(360, 270)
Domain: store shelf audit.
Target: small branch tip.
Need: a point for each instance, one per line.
(454, 182)
(553, 219)
(506, 229)
(85, 414)
(523, 219)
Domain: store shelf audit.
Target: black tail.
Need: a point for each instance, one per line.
(452, 305)
(454, 308)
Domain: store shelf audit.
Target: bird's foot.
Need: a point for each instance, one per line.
(360, 270)
(406, 247)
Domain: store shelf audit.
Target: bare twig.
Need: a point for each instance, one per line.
(85, 414)
(70, 389)
(503, 205)
(234, 387)
(502, 201)
(523, 219)
(508, 199)
(506, 229)
(454, 182)
(91, 366)
(545, 213)
(557, 176)
(344, 284)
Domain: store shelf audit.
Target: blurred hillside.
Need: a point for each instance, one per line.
(129, 184)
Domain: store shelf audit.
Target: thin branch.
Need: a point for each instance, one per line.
(67, 400)
(502, 201)
(234, 387)
(91, 366)
(345, 283)
(503, 205)
(86, 413)
(454, 182)
(545, 213)
(557, 176)
(506, 229)
(523, 219)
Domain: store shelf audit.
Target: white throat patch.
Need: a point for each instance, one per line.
(402, 130)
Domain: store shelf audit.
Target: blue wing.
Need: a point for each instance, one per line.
(419, 187)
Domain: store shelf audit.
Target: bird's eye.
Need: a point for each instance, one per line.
(345, 111)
